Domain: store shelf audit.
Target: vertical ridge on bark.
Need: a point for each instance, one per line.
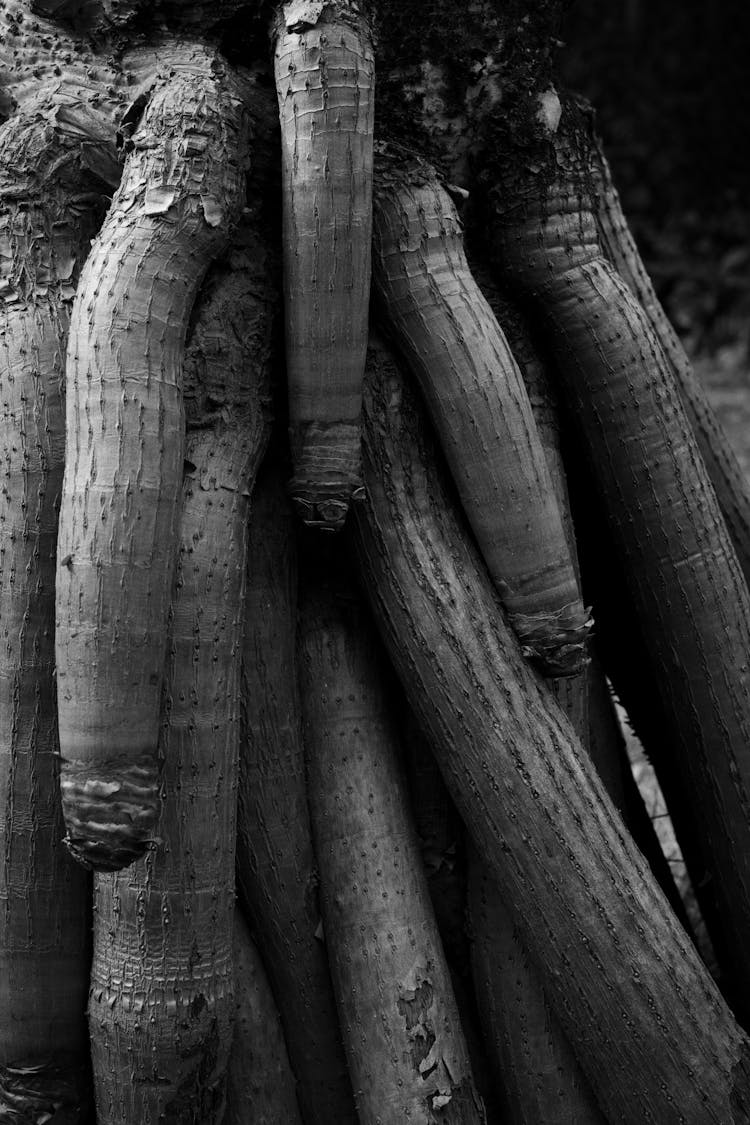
(277, 874)
(260, 1082)
(180, 196)
(324, 79)
(625, 982)
(679, 562)
(479, 406)
(406, 1050)
(161, 1004)
(50, 206)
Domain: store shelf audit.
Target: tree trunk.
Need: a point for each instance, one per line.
(52, 204)
(277, 872)
(161, 1006)
(260, 1084)
(406, 1051)
(148, 688)
(173, 212)
(532, 802)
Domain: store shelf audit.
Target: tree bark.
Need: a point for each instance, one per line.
(324, 72)
(680, 566)
(406, 1051)
(477, 401)
(161, 1006)
(277, 872)
(52, 203)
(261, 1084)
(603, 938)
(173, 212)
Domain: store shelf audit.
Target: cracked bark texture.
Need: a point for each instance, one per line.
(624, 981)
(161, 1003)
(180, 196)
(324, 71)
(406, 1050)
(680, 566)
(51, 202)
(479, 406)
(260, 1084)
(277, 872)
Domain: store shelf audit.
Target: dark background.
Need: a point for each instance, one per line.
(670, 80)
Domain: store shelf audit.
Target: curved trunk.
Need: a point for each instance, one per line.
(51, 204)
(603, 938)
(324, 78)
(724, 470)
(161, 1005)
(277, 874)
(173, 212)
(476, 398)
(260, 1083)
(406, 1050)
(680, 566)
(536, 1073)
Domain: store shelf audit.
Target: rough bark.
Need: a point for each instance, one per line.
(406, 1051)
(324, 78)
(51, 202)
(173, 212)
(38, 58)
(680, 566)
(260, 1083)
(277, 874)
(479, 406)
(535, 1071)
(621, 647)
(624, 981)
(442, 842)
(585, 699)
(724, 470)
(161, 1003)
(571, 692)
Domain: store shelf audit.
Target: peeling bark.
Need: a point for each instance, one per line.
(644, 1018)
(324, 78)
(181, 194)
(407, 1054)
(161, 1005)
(277, 873)
(38, 58)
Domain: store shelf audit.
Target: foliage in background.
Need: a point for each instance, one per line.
(669, 83)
